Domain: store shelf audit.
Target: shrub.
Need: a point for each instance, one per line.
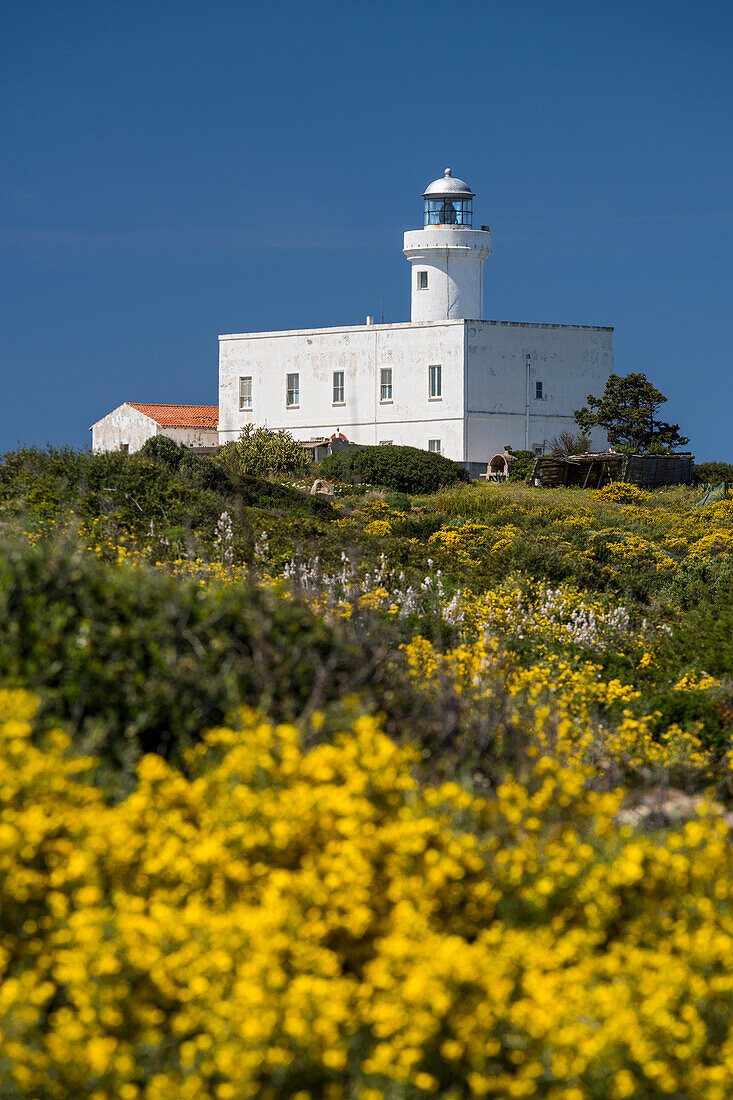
(41, 480)
(163, 449)
(399, 502)
(522, 467)
(290, 923)
(256, 492)
(204, 472)
(699, 582)
(712, 472)
(164, 483)
(127, 491)
(623, 493)
(260, 452)
(688, 709)
(201, 470)
(405, 469)
(705, 635)
(135, 661)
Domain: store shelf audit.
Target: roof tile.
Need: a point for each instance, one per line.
(180, 416)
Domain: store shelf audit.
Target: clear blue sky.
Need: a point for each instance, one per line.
(172, 171)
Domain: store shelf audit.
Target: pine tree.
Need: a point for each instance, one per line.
(627, 412)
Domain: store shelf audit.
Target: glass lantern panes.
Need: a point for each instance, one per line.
(445, 211)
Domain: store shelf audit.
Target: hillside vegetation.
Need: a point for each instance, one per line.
(397, 795)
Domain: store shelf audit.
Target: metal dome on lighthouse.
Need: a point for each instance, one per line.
(447, 255)
(448, 201)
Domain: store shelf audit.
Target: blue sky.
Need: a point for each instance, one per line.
(173, 171)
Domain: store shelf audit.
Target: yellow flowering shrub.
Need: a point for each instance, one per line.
(696, 681)
(462, 542)
(717, 542)
(565, 707)
(623, 492)
(285, 923)
(378, 527)
(625, 551)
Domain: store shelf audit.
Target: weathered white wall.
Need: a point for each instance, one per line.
(454, 260)
(570, 361)
(360, 352)
(123, 425)
(127, 425)
(192, 437)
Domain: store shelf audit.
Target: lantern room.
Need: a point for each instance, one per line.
(447, 255)
(449, 201)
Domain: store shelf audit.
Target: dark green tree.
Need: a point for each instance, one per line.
(627, 412)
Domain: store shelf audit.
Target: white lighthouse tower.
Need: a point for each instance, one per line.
(447, 255)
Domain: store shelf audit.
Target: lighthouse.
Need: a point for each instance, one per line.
(447, 380)
(447, 255)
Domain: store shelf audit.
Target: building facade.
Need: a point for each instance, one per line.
(447, 380)
(128, 426)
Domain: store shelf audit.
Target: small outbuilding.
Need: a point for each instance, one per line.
(128, 426)
(593, 470)
(317, 449)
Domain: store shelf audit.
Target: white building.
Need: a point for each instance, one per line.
(128, 426)
(447, 380)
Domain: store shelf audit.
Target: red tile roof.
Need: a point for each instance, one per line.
(180, 416)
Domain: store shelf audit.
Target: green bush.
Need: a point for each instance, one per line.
(398, 502)
(135, 661)
(704, 637)
(522, 468)
(687, 709)
(260, 452)
(164, 484)
(205, 473)
(711, 472)
(256, 492)
(128, 491)
(404, 469)
(163, 449)
(41, 481)
(698, 583)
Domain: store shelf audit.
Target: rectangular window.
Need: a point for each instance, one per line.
(245, 393)
(385, 384)
(435, 382)
(434, 446)
(539, 390)
(293, 391)
(338, 387)
(422, 280)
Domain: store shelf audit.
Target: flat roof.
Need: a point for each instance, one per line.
(406, 325)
